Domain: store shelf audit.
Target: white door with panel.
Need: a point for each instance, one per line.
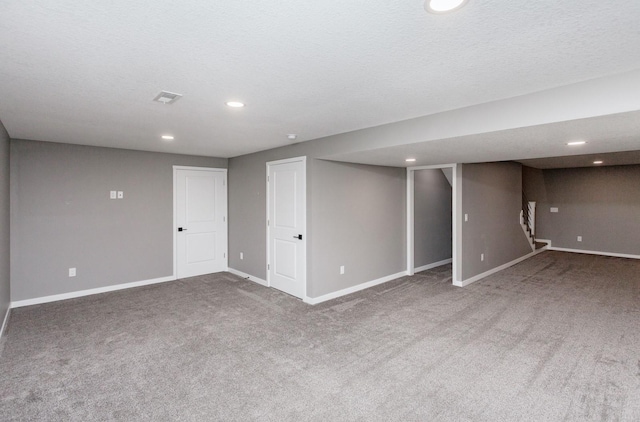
(286, 224)
(200, 221)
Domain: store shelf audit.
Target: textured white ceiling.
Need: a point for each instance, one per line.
(86, 72)
(608, 159)
(614, 132)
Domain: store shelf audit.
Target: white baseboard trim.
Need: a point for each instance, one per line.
(617, 255)
(5, 321)
(433, 265)
(248, 277)
(353, 289)
(88, 292)
(473, 279)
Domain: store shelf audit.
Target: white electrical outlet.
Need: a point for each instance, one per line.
(120, 194)
(112, 194)
(241, 255)
(481, 257)
(579, 238)
(466, 217)
(341, 269)
(553, 209)
(72, 272)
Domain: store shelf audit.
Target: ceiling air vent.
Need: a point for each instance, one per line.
(166, 97)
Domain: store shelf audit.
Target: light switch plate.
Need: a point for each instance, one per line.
(554, 209)
(112, 194)
(120, 194)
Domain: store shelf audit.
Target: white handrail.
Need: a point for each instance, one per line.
(532, 217)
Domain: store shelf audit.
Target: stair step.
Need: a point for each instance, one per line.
(540, 245)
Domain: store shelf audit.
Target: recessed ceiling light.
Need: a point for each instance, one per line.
(167, 137)
(292, 136)
(410, 160)
(235, 104)
(443, 6)
(576, 143)
(598, 162)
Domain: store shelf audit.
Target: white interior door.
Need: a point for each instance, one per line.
(286, 222)
(200, 221)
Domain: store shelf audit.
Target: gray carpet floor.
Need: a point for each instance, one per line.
(556, 337)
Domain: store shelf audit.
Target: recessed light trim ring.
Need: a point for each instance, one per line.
(439, 7)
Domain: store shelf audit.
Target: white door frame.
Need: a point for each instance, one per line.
(456, 217)
(175, 212)
(304, 220)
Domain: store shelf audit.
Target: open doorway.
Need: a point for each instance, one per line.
(432, 223)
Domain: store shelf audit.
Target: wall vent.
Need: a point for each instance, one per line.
(166, 97)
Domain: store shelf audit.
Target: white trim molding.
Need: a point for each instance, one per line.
(88, 292)
(353, 289)
(456, 213)
(433, 265)
(248, 277)
(473, 279)
(5, 321)
(410, 221)
(613, 254)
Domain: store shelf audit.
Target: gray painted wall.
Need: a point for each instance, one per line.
(601, 204)
(331, 242)
(62, 217)
(489, 193)
(448, 173)
(359, 221)
(4, 223)
(248, 207)
(533, 184)
(492, 197)
(432, 217)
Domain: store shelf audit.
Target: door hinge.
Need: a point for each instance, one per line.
(224, 255)
(224, 182)
(224, 219)
(267, 222)
(267, 178)
(268, 267)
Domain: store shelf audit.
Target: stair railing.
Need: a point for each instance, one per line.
(529, 215)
